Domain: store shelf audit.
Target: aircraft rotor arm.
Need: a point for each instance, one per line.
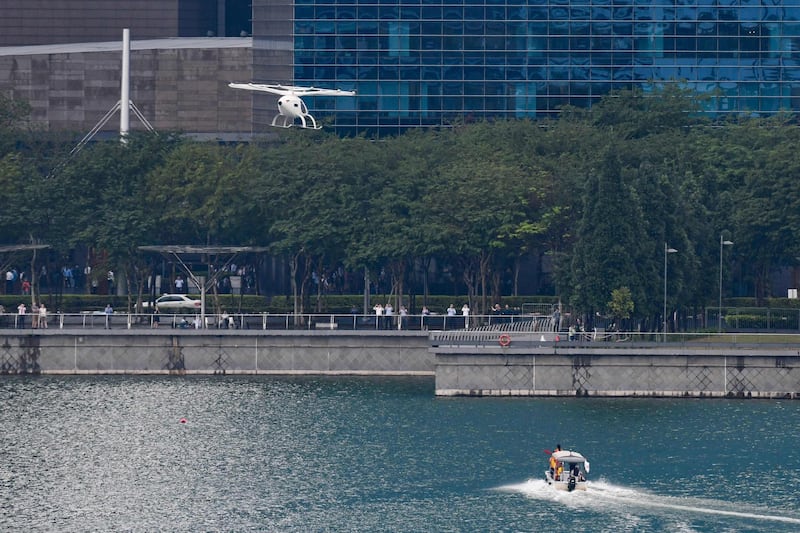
(290, 89)
(272, 89)
(313, 91)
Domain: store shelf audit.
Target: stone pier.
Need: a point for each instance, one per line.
(655, 370)
(172, 351)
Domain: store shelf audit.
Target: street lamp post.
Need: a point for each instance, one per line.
(667, 250)
(719, 309)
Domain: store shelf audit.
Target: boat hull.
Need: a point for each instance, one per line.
(565, 485)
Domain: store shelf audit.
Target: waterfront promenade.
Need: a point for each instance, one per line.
(483, 362)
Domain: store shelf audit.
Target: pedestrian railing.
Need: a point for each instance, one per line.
(273, 321)
(499, 331)
(557, 340)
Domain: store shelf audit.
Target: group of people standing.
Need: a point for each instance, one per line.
(69, 279)
(451, 311)
(384, 316)
(38, 313)
(15, 278)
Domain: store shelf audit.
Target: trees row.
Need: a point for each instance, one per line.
(592, 199)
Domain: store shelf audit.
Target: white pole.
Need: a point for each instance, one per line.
(125, 96)
(664, 316)
(719, 311)
(667, 250)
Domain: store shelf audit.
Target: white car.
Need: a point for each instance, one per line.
(174, 301)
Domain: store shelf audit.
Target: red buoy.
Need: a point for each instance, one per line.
(183, 420)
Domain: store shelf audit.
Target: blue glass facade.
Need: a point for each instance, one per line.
(432, 62)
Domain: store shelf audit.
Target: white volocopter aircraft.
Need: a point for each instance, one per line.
(290, 106)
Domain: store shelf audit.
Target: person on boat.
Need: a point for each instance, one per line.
(559, 470)
(576, 473)
(553, 462)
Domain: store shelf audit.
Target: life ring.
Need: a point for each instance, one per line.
(505, 339)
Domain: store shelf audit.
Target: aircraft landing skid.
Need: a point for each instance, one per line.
(283, 121)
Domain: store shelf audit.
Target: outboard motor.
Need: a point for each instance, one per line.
(571, 483)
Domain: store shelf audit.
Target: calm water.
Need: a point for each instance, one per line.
(364, 454)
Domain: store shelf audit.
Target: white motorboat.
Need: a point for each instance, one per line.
(567, 471)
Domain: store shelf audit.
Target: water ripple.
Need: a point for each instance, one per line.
(376, 454)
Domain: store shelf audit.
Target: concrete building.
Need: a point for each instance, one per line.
(178, 84)
(65, 59)
(58, 21)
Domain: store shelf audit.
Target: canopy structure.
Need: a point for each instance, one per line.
(569, 457)
(216, 258)
(20, 248)
(202, 250)
(14, 248)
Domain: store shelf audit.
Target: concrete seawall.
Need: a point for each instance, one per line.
(526, 369)
(169, 351)
(656, 370)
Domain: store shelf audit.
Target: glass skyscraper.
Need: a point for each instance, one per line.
(432, 62)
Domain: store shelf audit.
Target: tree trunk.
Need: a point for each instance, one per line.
(485, 262)
(469, 276)
(426, 266)
(398, 272)
(303, 285)
(33, 277)
(296, 303)
(320, 277)
(497, 290)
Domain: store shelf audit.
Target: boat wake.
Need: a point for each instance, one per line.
(603, 496)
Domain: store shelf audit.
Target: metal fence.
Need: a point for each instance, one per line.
(599, 339)
(711, 320)
(753, 318)
(266, 321)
